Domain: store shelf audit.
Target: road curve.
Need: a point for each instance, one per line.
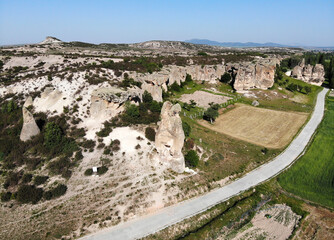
(143, 226)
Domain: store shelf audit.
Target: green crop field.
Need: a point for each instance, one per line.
(312, 176)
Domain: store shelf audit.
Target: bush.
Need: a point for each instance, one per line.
(150, 134)
(60, 166)
(26, 178)
(38, 180)
(186, 129)
(191, 158)
(188, 78)
(175, 87)
(47, 195)
(202, 54)
(190, 144)
(29, 194)
(5, 196)
(78, 155)
(88, 172)
(102, 170)
(132, 111)
(225, 78)
(147, 97)
(88, 144)
(59, 190)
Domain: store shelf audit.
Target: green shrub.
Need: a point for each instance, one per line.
(38, 180)
(225, 78)
(78, 155)
(26, 178)
(191, 158)
(60, 166)
(88, 144)
(47, 195)
(59, 190)
(132, 111)
(175, 87)
(88, 172)
(5, 196)
(186, 128)
(150, 134)
(102, 170)
(202, 54)
(29, 194)
(147, 97)
(188, 78)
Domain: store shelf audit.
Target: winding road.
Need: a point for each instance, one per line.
(143, 226)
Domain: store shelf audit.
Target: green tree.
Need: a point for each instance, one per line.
(147, 97)
(53, 135)
(175, 87)
(225, 78)
(210, 114)
(191, 158)
(188, 78)
(150, 134)
(132, 111)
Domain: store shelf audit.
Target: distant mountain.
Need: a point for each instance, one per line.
(234, 44)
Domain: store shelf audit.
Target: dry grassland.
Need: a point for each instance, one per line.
(264, 127)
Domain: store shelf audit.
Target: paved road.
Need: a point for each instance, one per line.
(165, 217)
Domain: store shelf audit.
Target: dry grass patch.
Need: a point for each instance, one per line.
(264, 127)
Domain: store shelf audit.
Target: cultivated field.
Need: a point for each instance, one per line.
(264, 127)
(311, 177)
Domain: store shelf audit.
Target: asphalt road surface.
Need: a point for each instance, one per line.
(143, 226)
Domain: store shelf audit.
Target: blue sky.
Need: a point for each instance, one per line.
(305, 22)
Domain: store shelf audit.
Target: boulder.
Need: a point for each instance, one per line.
(255, 103)
(169, 138)
(29, 128)
(310, 74)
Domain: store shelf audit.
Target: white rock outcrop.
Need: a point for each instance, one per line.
(311, 74)
(169, 138)
(29, 128)
(108, 102)
(249, 75)
(155, 82)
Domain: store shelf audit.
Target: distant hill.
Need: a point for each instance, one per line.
(50, 40)
(234, 44)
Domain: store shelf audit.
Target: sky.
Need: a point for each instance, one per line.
(293, 22)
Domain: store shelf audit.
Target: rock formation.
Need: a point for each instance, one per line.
(50, 40)
(311, 74)
(30, 127)
(157, 81)
(108, 102)
(28, 102)
(169, 138)
(253, 75)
